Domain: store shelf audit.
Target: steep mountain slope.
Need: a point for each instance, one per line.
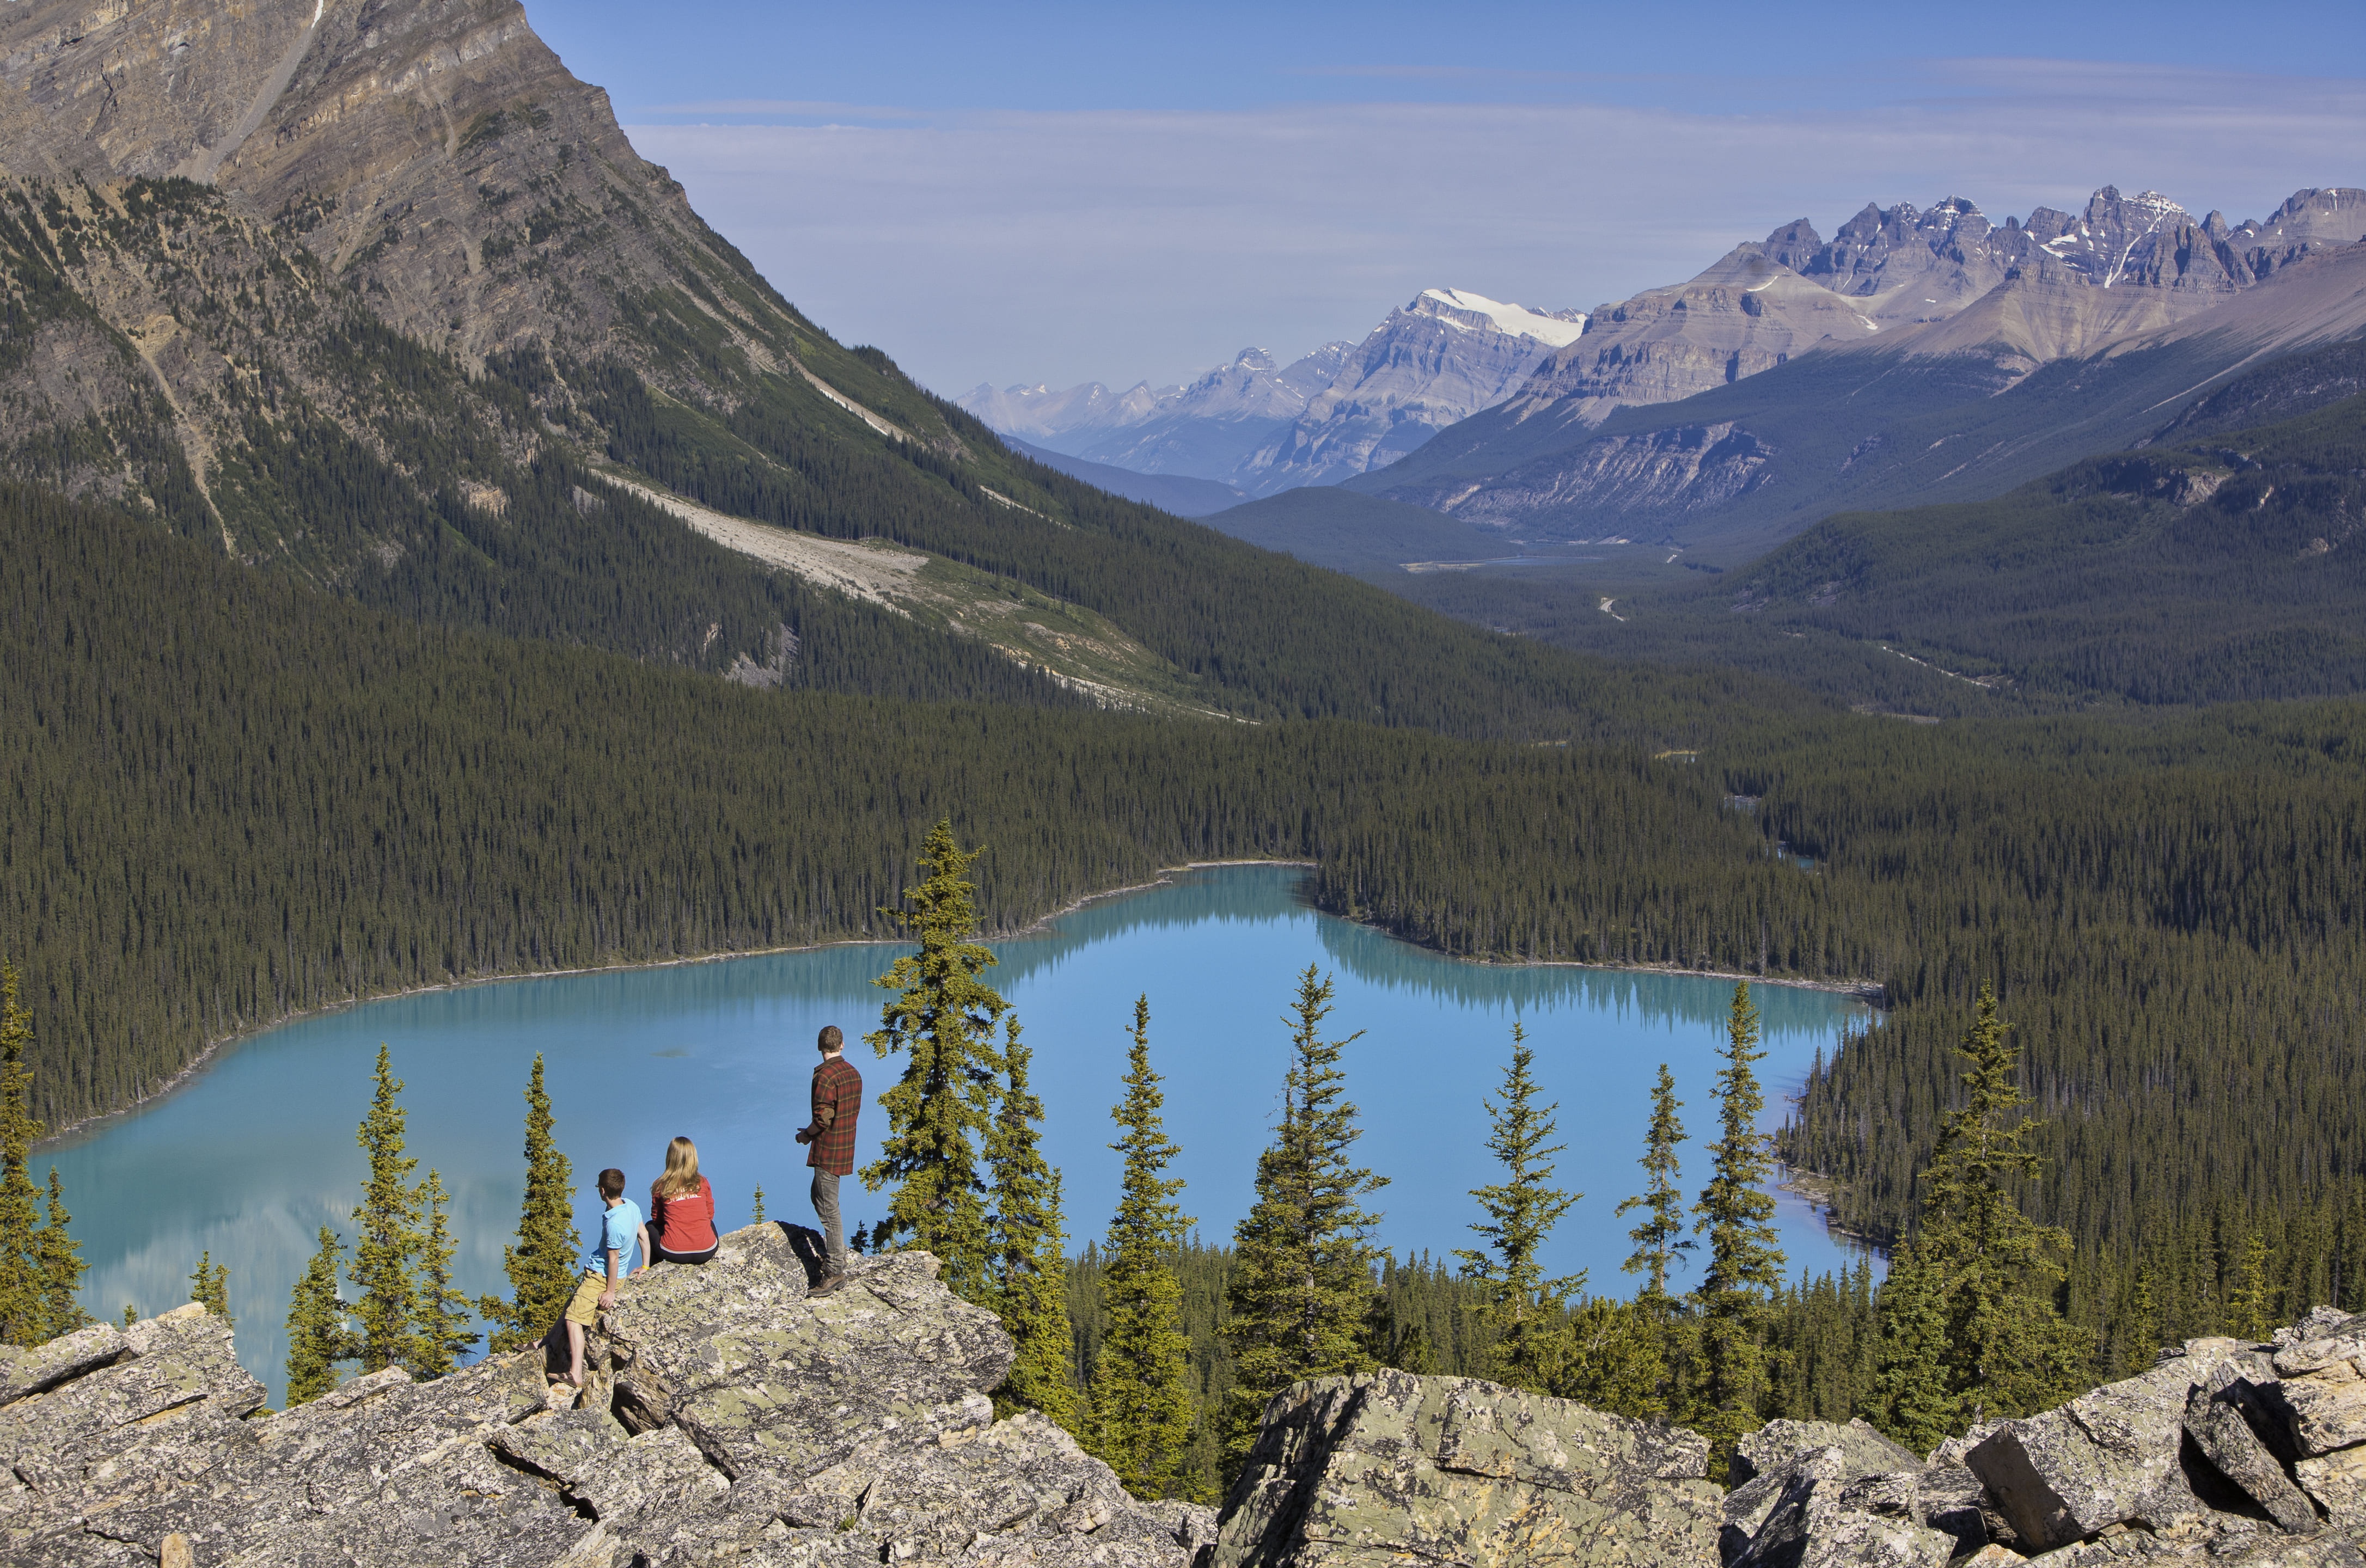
(1440, 360)
(432, 304)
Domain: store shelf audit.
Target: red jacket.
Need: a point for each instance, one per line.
(683, 1223)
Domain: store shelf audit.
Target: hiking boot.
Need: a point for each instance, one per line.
(830, 1284)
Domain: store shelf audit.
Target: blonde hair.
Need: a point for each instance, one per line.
(682, 1169)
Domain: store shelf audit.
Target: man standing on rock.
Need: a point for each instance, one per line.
(837, 1098)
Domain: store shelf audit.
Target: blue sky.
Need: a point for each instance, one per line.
(1066, 193)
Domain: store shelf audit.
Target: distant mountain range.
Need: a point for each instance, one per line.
(1916, 354)
(1339, 412)
(1916, 357)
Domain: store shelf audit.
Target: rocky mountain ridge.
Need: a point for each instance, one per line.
(732, 1418)
(1890, 276)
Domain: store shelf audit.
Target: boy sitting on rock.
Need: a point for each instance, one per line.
(621, 1230)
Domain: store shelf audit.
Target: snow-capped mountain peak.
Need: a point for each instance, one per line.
(1456, 306)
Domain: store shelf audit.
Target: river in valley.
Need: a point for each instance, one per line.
(250, 1157)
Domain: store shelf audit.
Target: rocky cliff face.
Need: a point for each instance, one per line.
(435, 152)
(729, 1419)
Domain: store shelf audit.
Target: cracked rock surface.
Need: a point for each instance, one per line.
(728, 1419)
(1389, 1467)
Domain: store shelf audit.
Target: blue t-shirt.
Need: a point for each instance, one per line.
(618, 1234)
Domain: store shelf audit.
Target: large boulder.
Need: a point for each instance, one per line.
(730, 1418)
(2109, 1457)
(1828, 1517)
(1390, 1467)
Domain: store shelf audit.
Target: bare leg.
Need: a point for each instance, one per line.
(574, 1353)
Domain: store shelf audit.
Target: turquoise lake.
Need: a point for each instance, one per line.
(252, 1156)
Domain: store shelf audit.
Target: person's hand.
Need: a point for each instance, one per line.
(607, 1300)
(805, 1135)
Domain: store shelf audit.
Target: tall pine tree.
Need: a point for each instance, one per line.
(1141, 1388)
(387, 1232)
(1978, 1277)
(544, 1261)
(1659, 1236)
(443, 1335)
(62, 1268)
(318, 1335)
(1302, 1287)
(1528, 1312)
(1030, 1261)
(943, 1019)
(1745, 1268)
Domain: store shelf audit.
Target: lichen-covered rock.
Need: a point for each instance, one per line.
(1778, 1442)
(2337, 1482)
(2109, 1457)
(736, 1420)
(1827, 1517)
(2216, 1423)
(1391, 1466)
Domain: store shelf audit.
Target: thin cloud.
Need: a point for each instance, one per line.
(1115, 245)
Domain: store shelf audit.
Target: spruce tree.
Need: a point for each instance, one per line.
(387, 1232)
(1911, 1402)
(1526, 1311)
(542, 1263)
(24, 1308)
(1029, 1267)
(443, 1335)
(1141, 1389)
(756, 1210)
(1301, 1284)
(209, 1287)
(318, 1335)
(1970, 1331)
(943, 1019)
(1661, 1234)
(1744, 1267)
(1618, 1355)
(62, 1268)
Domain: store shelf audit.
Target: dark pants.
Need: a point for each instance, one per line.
(833, 1229)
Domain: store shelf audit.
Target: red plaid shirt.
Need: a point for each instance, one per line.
(837, 1099)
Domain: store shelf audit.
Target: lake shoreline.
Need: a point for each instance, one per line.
(1864, 991)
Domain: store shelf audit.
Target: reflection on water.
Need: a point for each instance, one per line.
(249, 1159)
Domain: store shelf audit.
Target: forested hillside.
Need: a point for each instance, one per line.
(2218, 565)
(233, 797)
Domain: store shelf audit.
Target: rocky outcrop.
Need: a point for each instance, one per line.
(728, 1418)
(2223, 1452)
(731, 1418)
(1391, 1467)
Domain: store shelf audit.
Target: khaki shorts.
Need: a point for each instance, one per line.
(585, 1307)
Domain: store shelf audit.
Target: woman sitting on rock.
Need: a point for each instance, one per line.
(682, 1207)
